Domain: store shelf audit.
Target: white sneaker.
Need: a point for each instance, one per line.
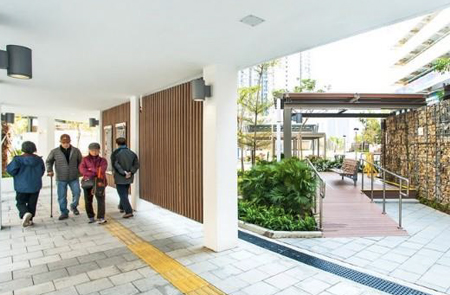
(101, 220)
(26, 219)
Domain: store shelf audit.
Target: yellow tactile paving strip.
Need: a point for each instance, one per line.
(178, 275)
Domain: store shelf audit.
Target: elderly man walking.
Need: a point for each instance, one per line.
(66, 159)
(125, 164)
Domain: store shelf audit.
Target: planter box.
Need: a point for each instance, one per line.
(7, 184)
(278, 234)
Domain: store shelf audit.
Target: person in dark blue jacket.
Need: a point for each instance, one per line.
(27, 171)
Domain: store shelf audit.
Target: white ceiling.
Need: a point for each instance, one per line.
(91, 55)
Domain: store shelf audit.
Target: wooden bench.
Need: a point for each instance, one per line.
(349, 169)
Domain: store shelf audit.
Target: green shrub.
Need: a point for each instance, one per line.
(323, 165)
(274, 218)
(289, 184)
(435, 205)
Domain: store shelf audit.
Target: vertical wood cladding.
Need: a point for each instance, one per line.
(111, 117)
(171, 151)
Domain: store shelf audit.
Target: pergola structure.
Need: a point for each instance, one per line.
(343, 105)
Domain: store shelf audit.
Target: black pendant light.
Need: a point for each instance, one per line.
(17, 61)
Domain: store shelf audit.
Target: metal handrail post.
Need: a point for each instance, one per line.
(371, 187)
(384, 192)
(400, 205)
(321, 212)
(362, 176)
(400, 191)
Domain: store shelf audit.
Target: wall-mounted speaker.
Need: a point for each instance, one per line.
(199, 90)
(93, 122)
(8, 118)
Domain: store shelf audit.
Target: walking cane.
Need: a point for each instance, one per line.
(51, 196)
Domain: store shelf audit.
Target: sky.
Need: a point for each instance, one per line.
(360, 63)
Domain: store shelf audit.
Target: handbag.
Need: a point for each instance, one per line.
(87, 183)
(99, 185)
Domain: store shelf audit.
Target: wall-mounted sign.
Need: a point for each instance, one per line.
(108, 145)
(121, 130)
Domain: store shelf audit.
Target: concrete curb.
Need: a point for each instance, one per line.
(278, 234)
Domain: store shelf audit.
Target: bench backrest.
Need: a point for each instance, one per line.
(349, 166)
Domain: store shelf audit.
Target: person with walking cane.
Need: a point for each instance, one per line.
(66, 159)
(27, 171)
(125, 164)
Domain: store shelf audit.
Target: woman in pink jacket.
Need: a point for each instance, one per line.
(93, 166)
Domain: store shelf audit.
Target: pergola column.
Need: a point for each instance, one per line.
(287, 132)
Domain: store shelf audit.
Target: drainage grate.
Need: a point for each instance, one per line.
(342, 271)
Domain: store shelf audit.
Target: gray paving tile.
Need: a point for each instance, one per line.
(149, 283)
(261, 288)
(94, 286)
(125, 289)
(281, 281)
(50, 276)
(125, 277)
(63, 264)
(115, 260)
(117, 251)
(313, 285)
(45, 260)
(344, 288)
(131, 265)
(81, 268)
(103, 272)
(15, 284)
(91, 257)
(66, 291)
(5, 276)
(36, 289)
(253, 276)
(67, 282)
(435, 276)
(230, 285)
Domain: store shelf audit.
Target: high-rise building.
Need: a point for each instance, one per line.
(427, 41)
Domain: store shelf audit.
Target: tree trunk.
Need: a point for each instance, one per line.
(5, 146)
(242, 159)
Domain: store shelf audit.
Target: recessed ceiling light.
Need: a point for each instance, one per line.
(252, 20)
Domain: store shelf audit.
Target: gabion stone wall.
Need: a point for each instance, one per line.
(416, 144)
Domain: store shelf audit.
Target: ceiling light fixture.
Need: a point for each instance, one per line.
(252, 20)
(17, 61)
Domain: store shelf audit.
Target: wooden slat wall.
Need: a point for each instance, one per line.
(112, 116)
(171, 151)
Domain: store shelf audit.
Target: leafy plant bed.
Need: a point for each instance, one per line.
(273, 234)
(435, 205)
(289, 185)
(323, 165)
(274, 218)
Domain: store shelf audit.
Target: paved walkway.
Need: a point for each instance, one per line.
(422, 257)
(349, 213)
(74, 257)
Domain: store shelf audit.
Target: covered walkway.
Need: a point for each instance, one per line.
(349, 213)
(73, 257)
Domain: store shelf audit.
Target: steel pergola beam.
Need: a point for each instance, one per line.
(345, 115)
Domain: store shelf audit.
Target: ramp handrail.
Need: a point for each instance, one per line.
(401, 194)
(322, 190)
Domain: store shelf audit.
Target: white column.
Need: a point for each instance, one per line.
(134, 145)
(46, 140)
(220, 219)
(99, 128)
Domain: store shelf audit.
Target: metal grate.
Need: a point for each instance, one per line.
(342, 271)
